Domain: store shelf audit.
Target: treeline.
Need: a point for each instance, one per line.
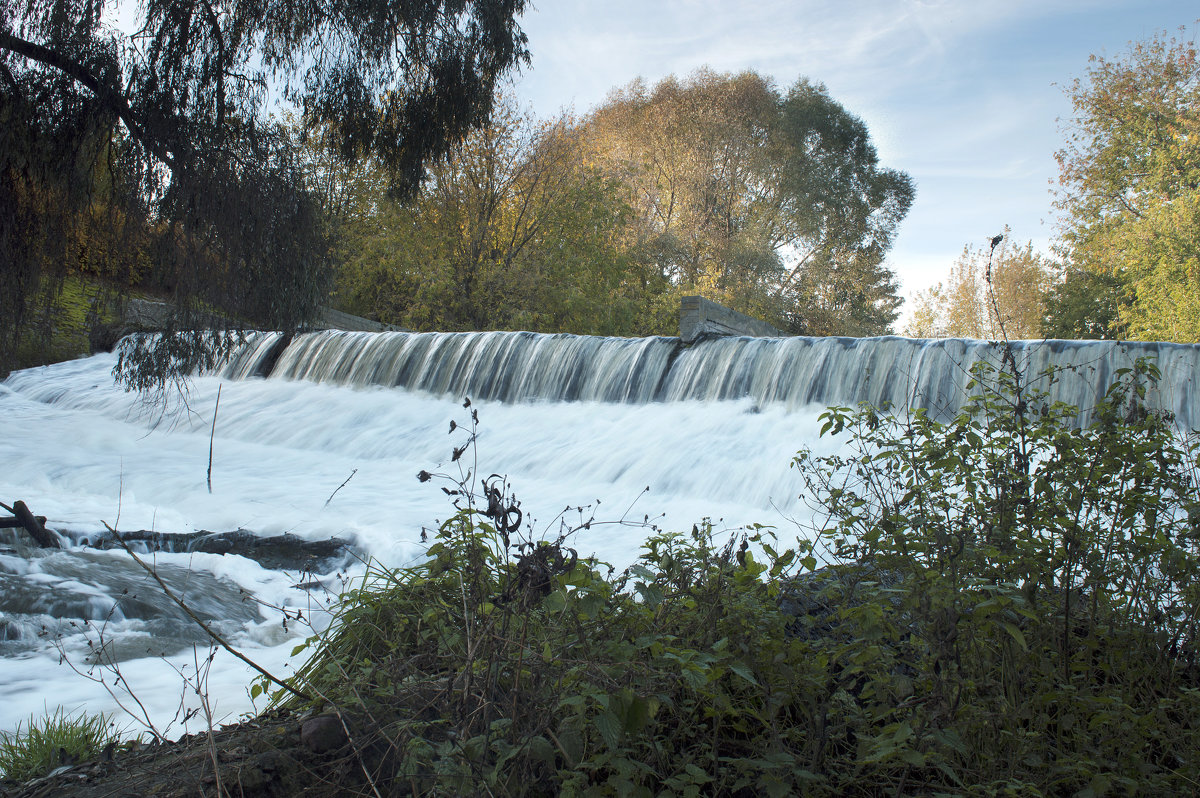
(1127, 264)
(772, 202)
(446, 206)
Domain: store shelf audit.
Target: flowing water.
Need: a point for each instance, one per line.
(571, 421)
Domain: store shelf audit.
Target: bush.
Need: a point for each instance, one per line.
(1044, 596)
(516, 668)
(55, 740)
(1009, 608)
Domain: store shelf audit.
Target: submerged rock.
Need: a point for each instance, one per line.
(285, 552)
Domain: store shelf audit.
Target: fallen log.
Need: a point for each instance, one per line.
(285, 552)
(15, 523)
(34, 525)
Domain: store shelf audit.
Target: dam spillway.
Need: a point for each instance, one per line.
(793, 372)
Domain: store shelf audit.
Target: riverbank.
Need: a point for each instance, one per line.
(266, 757)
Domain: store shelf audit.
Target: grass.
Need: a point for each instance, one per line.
(54, 740)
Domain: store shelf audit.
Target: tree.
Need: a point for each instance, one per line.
(1082, 305)
(687, 157)
(992, 293)
(771, 203)
(218, 176)
(924, 321)
(1130, 188)
(848, 292)
(511, 231)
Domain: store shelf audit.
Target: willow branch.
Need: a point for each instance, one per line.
(107, 94)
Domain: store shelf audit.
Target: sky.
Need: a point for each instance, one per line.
(966, 96)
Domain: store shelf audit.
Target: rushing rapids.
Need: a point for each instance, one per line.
(888, 371)
(330, 443)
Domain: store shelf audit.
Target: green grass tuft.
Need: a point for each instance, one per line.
(54, 740)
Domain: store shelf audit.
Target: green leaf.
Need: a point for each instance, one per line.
(637, 715)
(1017, 635)
(949, 771)
(651, 594)
(777, 789)
(555, 602)
(742, 670)
(609, 726)
(541, 749)
(637, 569)
(576, 702)
(694, 676)
(570, 743)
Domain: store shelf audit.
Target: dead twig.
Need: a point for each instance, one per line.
(201, 689)
(339, 487)
(208, 629)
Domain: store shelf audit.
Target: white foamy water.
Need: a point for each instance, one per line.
(83, 452)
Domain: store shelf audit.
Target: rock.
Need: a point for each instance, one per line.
(281, 552)
(323, 733)
(252, 779)
(104, 337)
(285, 552)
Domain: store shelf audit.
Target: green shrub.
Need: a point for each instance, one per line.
(1044, 593)
(54, 740)
(515, 668)
(1009, 608)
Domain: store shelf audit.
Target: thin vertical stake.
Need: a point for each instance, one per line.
(210, 437)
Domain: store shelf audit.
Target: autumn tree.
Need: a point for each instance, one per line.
(770, 203)
(993, 292)
(511, 231)
(189, 93)
(1129, 191)
(773, 203)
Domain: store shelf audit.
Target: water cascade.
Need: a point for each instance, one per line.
(794, 372)
(330, 442)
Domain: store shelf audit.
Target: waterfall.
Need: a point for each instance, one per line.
(506, 366)
(792, 372)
